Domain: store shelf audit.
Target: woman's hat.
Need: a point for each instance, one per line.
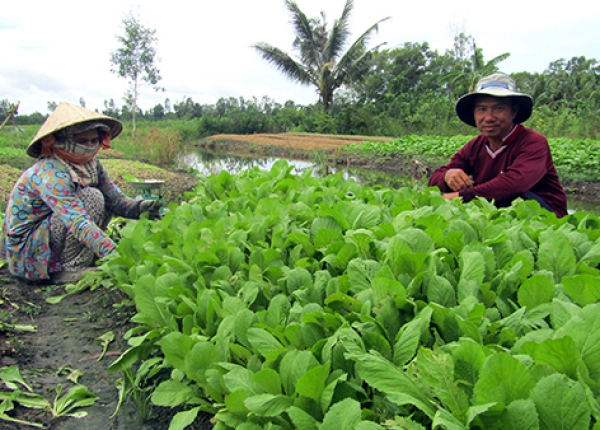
(67, 115)
(496, 85)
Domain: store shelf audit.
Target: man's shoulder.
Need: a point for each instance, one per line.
(476, 142)
(532, 134)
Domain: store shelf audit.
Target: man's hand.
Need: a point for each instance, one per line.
(457, 179)
(451, 195)
(152, 207)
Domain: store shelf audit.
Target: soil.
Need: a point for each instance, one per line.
(65, 336)
(64, 340)
(294, 142)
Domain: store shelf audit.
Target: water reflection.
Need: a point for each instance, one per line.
(208, 163)
(582, 205)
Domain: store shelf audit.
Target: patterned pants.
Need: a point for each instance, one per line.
(68, 253)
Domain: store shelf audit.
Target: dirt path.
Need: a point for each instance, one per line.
(65, 342)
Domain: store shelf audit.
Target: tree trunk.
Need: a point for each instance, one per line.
(133, 108)
(326, 96)
(10, 114)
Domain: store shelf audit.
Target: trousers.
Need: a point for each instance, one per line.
(68, 253)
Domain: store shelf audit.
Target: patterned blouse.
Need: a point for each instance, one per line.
(44, 189)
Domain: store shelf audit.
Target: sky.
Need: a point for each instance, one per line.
(54, 51)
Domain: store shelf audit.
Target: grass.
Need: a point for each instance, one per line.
(158, 146)
(8, 177)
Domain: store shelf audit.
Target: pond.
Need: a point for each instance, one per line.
(207, 163)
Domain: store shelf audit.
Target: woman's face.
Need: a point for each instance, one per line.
(89, 139)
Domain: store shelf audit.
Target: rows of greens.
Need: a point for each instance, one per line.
(575, 158)
(271, 300)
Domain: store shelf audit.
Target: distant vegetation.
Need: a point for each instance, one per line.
(402, 95)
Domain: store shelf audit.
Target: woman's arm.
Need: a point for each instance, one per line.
(56, 189)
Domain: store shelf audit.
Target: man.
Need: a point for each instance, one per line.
(507, 160)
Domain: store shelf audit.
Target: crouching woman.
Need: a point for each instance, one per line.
(60, 206)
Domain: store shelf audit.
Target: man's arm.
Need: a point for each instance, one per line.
(530, 165)
(455, 175)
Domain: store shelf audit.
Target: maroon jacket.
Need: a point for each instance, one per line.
(524, 165)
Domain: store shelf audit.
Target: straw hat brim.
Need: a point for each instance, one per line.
(67, 115)
(466, 104)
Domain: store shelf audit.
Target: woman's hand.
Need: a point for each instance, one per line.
(153, 208)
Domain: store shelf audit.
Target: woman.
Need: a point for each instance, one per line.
(58, 209)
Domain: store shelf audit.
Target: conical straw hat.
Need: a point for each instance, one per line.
(66, 115)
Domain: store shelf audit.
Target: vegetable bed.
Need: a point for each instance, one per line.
(271, 300)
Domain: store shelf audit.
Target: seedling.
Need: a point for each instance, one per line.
(71, 403)
(13, 380)
(105, 340)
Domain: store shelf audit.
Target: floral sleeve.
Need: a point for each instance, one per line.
(55, 187)
(116, 201)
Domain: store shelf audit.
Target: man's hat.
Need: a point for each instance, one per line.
(67, 115)
(496, 85)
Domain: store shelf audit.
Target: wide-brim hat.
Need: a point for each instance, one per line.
(496, 85)
(67, 115)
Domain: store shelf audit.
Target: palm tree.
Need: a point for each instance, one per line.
(321, 60)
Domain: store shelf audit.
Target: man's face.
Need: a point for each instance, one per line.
(494, 116)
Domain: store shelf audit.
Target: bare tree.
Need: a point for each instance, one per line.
(135, 61)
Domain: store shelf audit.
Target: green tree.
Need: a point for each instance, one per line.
(158, 112)
(322, 61)
(403, 73)
(573, 82)
(135, 60)
(534, 84)
(471, 66)
(110, 108)
(187, 108)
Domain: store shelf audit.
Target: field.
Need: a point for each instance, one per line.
(295, 142)
(263, 277)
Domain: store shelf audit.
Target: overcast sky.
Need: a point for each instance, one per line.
(60, 50)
